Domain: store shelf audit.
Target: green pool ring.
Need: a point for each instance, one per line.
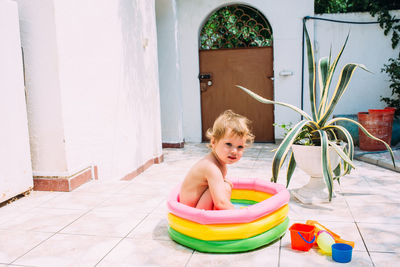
(244, 202)
(231, 246)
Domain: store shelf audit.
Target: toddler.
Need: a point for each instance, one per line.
(205, 185)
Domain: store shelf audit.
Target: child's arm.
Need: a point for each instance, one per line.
(219, 193)
(229, 182)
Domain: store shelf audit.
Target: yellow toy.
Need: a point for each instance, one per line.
(325, 241)
(336, 237)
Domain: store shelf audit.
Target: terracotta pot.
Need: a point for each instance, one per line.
(379, 123)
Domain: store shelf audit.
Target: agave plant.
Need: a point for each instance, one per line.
(318, 127)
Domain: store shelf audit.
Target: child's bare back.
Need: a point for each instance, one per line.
(195, 190)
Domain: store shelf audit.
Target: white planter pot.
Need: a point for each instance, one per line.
(308, 158)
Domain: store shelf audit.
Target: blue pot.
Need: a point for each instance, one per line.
(395, 131)
(351, 127)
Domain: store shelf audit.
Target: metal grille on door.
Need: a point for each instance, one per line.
(235, 26)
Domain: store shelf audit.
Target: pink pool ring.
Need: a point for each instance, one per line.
(279, 197)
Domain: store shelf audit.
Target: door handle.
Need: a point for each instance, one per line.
(271, 78)
(204, 76)
(205, 81)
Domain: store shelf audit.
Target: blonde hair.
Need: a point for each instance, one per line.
(238, 124)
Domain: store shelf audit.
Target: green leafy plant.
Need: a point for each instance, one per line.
(393, 70)
(319, 129)
(380, 8)
(303, 138)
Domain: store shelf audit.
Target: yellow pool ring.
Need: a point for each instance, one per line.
(257, 196)
(214, 232)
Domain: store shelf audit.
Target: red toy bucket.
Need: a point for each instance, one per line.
(302, 236)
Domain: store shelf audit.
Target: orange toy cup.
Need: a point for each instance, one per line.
(302, 236)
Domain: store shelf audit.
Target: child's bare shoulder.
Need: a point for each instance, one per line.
(206, 165)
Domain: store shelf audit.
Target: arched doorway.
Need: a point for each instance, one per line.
(236, 48)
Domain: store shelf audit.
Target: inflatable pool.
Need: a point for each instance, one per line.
(261, 220)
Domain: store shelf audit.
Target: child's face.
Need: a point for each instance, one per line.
(229, 149)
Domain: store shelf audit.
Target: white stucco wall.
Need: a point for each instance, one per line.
(285, 18)
(42, 85)
(15, 160)
(367, 45)
(170, 71)
(105, 65)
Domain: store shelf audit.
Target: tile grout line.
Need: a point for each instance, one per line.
(19, 265)
(258, 156)
(123, 238)
(38, 205)
(365, 245)
(49, 237)
(85, 213)
(191, 255)
(359, 231)
(280, 251)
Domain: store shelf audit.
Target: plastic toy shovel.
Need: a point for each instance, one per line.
(320, 227)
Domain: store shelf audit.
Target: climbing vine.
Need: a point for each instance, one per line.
(379, 8)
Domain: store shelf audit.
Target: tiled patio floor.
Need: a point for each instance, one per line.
(123, 223)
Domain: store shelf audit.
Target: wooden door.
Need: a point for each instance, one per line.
(221, 70)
